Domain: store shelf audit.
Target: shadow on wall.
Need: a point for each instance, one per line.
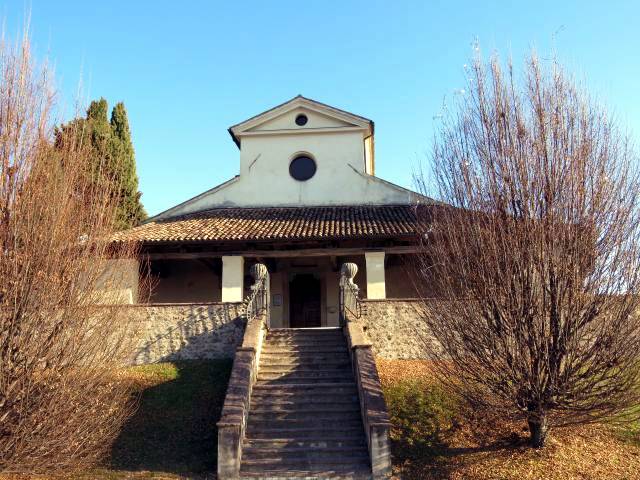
(174, 428)
(187, 332)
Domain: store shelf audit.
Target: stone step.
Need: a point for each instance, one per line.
(305, 367)
(342, 473)
(305, 417)
(284, 402)
(308, 443)
(313, 389)
(342, 362)
(332, 463)
(289, 380)
(334, 333)
(341, 365)
(330, 346)
(313, 349)
(306, 338)
(302, 331)
(306, 382)
(296, 432)
(307, 357)
(320, 338)
(290, 399)
(306, 372)
(318, 425)
(329, 333)
(287, 454)
(305, 403)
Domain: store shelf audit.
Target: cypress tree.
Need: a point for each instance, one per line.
(113, 156)
(132, 211)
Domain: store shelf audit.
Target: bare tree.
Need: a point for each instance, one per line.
(60, 405)
(535, 260)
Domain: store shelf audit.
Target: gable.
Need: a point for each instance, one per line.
(321, 117)
(287, 121)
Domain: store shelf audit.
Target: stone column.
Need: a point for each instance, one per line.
(376, 288)
(232, 278)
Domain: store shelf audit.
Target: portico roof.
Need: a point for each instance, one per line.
(280, 224)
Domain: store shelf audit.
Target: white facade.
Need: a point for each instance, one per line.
(341, 145)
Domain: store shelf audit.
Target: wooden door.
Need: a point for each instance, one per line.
(304, 302)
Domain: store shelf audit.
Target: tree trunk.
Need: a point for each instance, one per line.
(538, 430)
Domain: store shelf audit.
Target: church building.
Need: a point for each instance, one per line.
(272, 268)
(306, 201)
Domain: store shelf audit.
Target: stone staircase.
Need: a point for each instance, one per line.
(304, 417)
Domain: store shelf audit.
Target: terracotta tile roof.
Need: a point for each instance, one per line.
(292, 223)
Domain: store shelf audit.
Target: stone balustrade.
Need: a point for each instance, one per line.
(372, 404)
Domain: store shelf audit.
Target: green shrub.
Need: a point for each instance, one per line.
(421, 414)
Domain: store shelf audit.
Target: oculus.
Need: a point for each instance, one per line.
(302, 168)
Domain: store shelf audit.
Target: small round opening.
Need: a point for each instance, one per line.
(302, 168)
(301, 120)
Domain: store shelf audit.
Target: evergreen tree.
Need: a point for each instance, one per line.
(112, 155)
(131, 207)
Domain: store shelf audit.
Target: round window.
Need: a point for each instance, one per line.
(302, 168)
(301, 120)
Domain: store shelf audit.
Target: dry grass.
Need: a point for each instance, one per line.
(483, 449)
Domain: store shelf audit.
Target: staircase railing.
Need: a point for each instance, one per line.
(257, 303)
(350, 303)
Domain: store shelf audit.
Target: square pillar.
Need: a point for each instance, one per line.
(232, 278)
(376, 288)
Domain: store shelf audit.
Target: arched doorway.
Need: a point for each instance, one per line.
(304, 302)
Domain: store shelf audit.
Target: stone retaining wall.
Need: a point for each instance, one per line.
(395, 329)
(215, 330)
(186, 331)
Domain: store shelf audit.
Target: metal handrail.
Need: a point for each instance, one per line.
(257, 303)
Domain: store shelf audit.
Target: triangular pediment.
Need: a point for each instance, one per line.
(287, 121)
(319, 116)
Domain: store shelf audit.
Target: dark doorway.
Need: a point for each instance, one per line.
(304, 302)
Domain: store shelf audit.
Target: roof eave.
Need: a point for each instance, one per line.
(233, 136)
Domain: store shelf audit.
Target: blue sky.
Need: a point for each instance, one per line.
(188, 70)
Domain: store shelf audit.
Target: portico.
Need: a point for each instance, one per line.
(304, 283)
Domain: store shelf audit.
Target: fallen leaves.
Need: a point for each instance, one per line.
(482, 449)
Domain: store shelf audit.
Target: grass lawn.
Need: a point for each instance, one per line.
(173, 433)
